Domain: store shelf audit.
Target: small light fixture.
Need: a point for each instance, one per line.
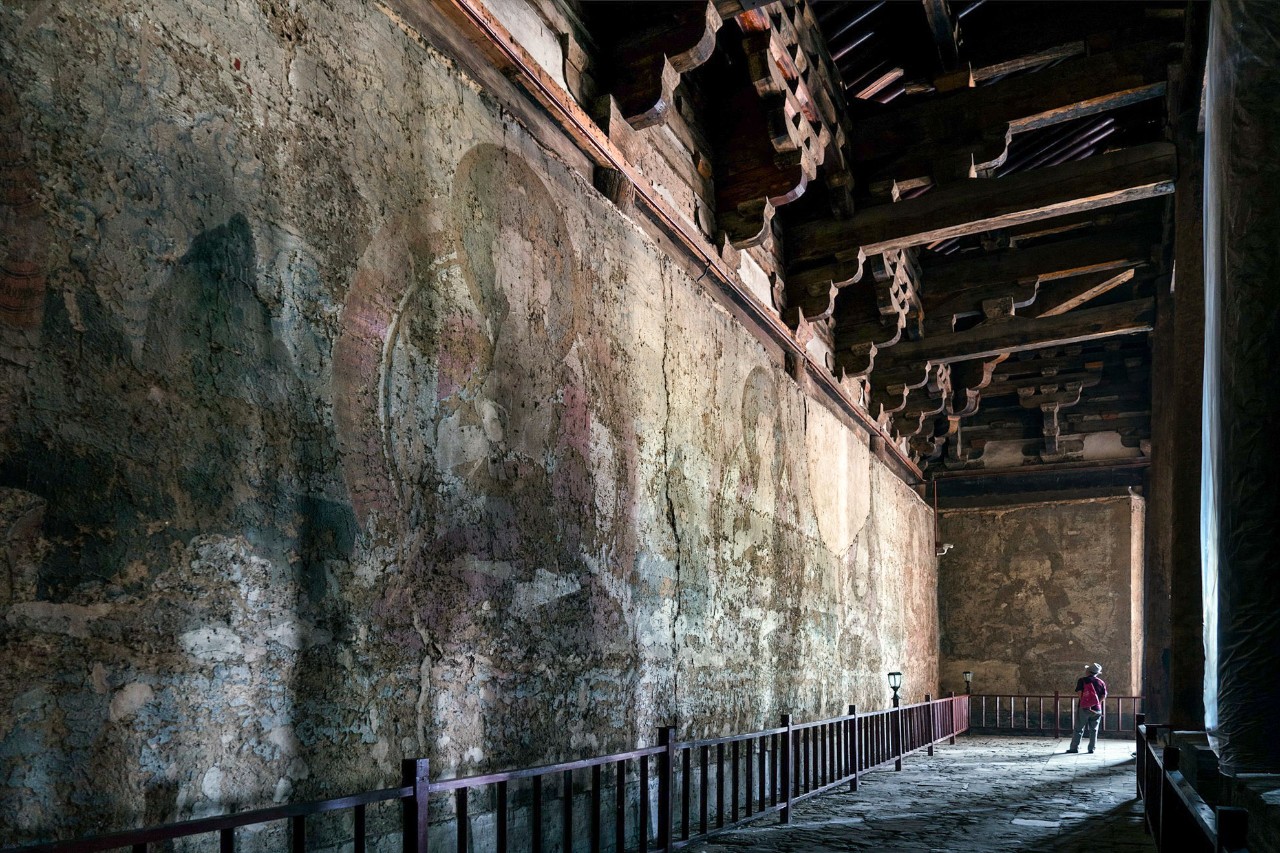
(895, 681)
(968, 681)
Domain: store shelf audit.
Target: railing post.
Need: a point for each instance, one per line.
(784, 814)
(1172, 761)
(853, 746)
(1140, 750)
(415, 773)
(951, 703)
(897, 733)
(666, 788)
(929, 721)
(1057, 715)
(1233, 829)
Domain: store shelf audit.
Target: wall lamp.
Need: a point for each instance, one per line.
(968, 681)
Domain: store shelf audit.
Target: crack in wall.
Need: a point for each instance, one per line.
(667, 298)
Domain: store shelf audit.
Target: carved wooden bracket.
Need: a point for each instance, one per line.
(649, 48)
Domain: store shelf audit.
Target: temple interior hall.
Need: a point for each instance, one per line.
(603, 425)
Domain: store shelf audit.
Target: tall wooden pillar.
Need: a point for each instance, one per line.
(1186, 672)
(1242, 268)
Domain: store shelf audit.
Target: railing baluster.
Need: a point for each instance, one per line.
(853, 747)
(775, 770)
(928, 721)
(226, 842)
(735, 757)
(298, 834)
(643, 833)
(142, 848)
(460, 808)
(597, 779)
(666, 777)
(620, 807)
(500, 817)
(357, 832)
(415, 772)
(784, 771)
(704, 798)
(749, 796)
(719, 785)
(536, 818)
(686, 792)
(760, 744)
(566, 813)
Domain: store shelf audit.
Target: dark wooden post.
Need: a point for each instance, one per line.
(1057, 715)
(951, 704)
(897, 732)
(784, 814)
(666, 778)
(1170, 812)
(415, 773)
(854, 758)
(1139, 720)
(1233, 829)
(929, 720)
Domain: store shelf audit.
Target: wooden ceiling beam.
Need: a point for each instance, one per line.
(974, 206)
(1056, 53)
(1069, 294)
(946, 33)
(1077, 87)
(1018, 334)
(1046, 262)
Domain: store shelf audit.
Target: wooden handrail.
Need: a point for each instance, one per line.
(765, 771)
(999, 712)
(1176, 816)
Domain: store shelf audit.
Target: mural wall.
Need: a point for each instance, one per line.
(340, 423)
(1030, 594)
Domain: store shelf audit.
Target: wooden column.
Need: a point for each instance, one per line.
(1186, 673)
(1158, 629)
(1243, 346)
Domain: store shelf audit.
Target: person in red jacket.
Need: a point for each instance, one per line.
(1092, 690)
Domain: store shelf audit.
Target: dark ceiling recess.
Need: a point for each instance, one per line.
(991, 281)
(965, 207)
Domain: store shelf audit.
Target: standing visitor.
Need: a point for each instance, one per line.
(1092, 690)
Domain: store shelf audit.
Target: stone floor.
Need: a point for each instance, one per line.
(984, 793)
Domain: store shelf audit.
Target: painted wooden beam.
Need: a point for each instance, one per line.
(1071, 293)
(1078, 87)
(971, 207)
(1018, 334)
(1095, 253)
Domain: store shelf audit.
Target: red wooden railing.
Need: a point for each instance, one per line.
(1054, 715)
(1176, 816)
(702, 788)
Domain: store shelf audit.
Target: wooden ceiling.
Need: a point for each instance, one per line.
(966, 205)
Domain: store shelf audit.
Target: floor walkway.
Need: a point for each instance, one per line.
(984, 793)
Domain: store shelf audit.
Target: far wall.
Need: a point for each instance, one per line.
(1031, 593)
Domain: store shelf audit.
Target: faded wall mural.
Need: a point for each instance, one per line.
(1032, 593)
(341, 424)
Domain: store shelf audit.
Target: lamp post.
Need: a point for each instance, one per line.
(968, 682)
(895, 681)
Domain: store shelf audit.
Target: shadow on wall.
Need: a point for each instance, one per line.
(182, 547)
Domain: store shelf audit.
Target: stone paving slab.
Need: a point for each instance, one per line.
(984, 793)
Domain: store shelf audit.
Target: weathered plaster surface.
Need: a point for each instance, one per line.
(1031, 594)
(354, 427)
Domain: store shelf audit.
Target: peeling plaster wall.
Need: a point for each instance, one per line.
(1031, 594)
(339, 423)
